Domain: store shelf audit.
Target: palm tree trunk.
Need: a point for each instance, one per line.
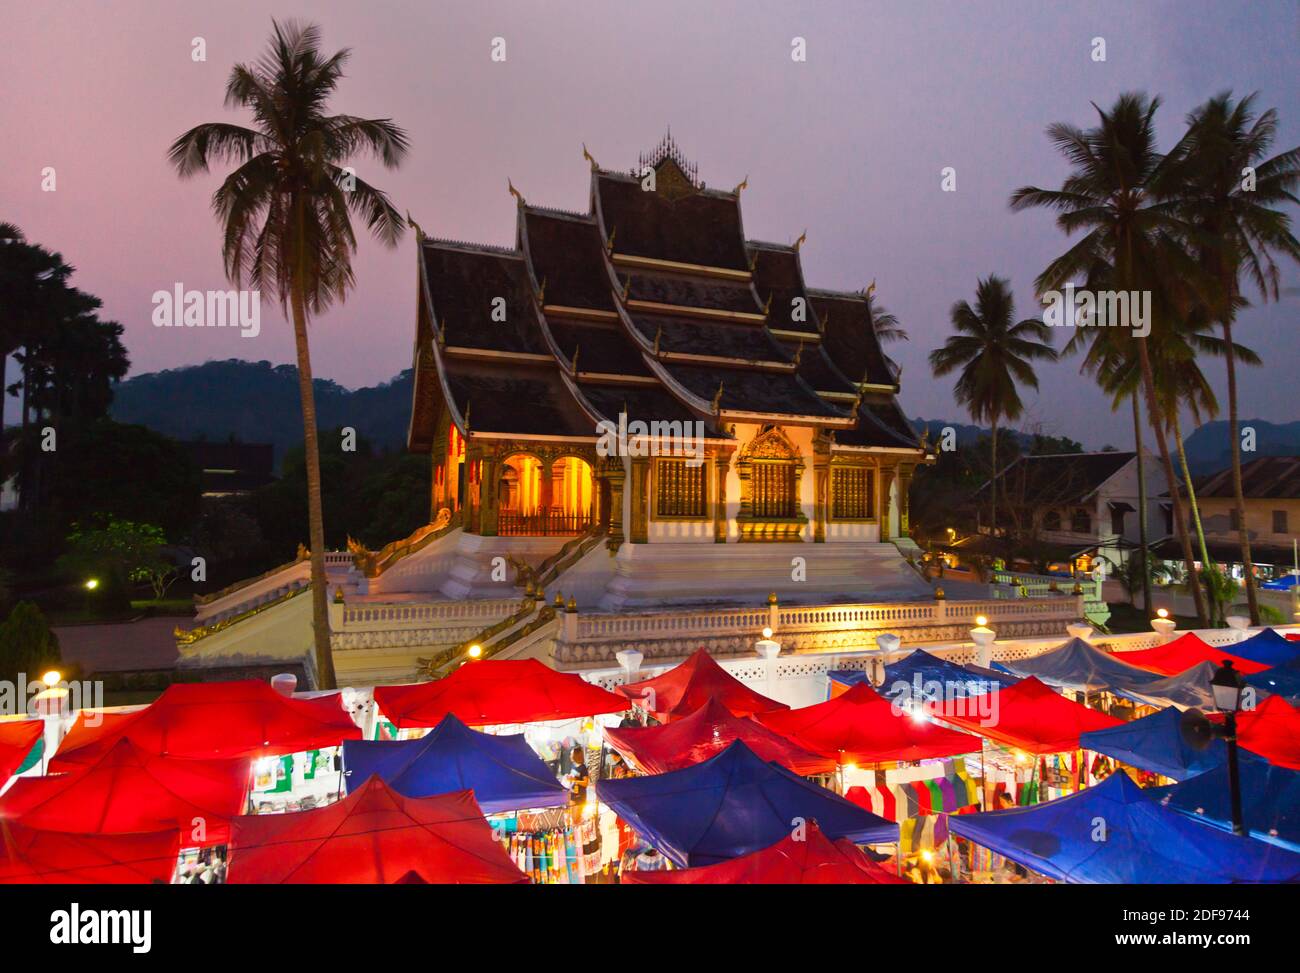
(315, 520)
(1230, 360)
(1175, 495)
(1143, 538)
(1215, 608)
(993, 484)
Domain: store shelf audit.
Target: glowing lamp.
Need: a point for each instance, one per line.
(767, 633)
(475, 651)
(92, 584)
(52, 678)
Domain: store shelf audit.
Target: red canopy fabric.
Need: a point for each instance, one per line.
(1184, 652)
(374, 836)
(17, 737)
(29, 856)
(215, 721)
(861, 727)
(704, 734)
(1272, 730)
(1028, 716)
(493, 692)
(814, 861)
(685, 688)
(129, 790)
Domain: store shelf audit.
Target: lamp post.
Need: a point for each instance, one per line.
(1227, 685)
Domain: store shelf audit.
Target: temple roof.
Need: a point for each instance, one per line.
(652, 302)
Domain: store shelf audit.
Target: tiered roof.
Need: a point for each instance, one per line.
(652, 303)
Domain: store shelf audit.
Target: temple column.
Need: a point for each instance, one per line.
(489, 487)
(615, 476)
(886, 487)
(640, 496)
(904, 498)
(721, 463)
(821, 488)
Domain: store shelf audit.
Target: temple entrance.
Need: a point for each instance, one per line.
(538, 499)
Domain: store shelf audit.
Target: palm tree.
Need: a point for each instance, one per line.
(1230, 193)
(1120, 192)
(993, 354)
(883, 322)
(286, 213)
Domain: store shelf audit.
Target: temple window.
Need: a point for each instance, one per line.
(852, 492)
(680, 489)
(775, 488)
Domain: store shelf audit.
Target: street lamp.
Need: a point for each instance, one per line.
(1227, 685)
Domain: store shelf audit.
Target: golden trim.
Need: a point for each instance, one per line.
(686, 311)
(675, 266)
(581, 313)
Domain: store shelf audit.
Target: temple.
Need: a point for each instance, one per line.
(644, 372)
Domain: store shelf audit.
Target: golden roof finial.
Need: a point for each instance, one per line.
(799, 243)
(627, 287)
(419, 233)
(659, 333)
(588, 156)
(767, 305)
(609, 244)
(573, 364)
(753, 261)
(541, 293)
(870, 290)
(468, 405)
(442, 334)
(798, 354)
(716, 405)
(743, 184)
(519, 197)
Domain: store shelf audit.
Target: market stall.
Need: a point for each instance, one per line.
(1115, 832)
(811, 859)
(861, 727)
(503, 771)
(706, 733)
(129, 790)
(685, 688)
(732, 805)
(1272, 730)
(1184, 652)
(1268, 648)
(1270, 797)
(1028, 716)
(30, 856)
(1282, 680)
(1156, 744)
(372, 836)
(922, 675)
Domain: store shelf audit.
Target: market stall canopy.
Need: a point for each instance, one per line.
(861, 727)
(30, 856)
(129, 790)
(1077, 664)
(1272, 730)
(1268, 648)
(1144, 842)
(503, 771)
(1270, 800)
(1184, 652)
(17, 737)
(1283, 680)
(214, 721)
(921, 674)
(1155, 743)
(813, 859)
(685, 688)
(1189, 689)
(494, 692)
(1028, 716)
(733, 805)
(374, 836)
(704, 734)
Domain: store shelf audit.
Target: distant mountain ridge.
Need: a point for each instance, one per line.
(1208, 448)
(258, 402)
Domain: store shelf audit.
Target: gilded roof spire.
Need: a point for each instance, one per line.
(519, 197)
(799, 243)
(716, 405)
(419, 233)
(595, 166)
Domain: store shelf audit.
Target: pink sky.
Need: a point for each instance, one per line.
(848, 145)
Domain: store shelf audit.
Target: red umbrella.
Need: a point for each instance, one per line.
(129, 790)
(704, 734)
(29, 856)
(861, 727)
(1184, 652)
(374, 836)
(493, 692)
(17, 737)
(215, 721)
(815, 860)
(1028, 716)
(685, 688)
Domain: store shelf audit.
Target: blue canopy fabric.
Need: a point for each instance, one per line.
(1190, 689)
(1284, 583)
(503, 771)
(1268, 648)
(1155, 743)
(1115, 833)
(1077, 664)
(1284, 680)
(1270, 800)
(921, 674)
(731, 805)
